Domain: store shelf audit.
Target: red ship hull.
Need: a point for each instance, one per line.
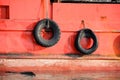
(18, 19)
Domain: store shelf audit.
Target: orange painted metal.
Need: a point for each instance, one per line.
(16, 32)
(23, 42)
(98, 17)
(18, 18)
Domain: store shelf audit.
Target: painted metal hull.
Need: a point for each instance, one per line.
(20, 52)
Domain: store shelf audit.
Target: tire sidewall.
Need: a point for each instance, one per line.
(40, 40)
(86, 33)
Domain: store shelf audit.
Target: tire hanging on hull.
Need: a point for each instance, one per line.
(86, 33)
(46, 24)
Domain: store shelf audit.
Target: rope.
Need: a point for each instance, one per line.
(47, 23)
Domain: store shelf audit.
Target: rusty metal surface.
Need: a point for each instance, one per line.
(60, 65)
(17, 42)
(86, 75)
(17, 30)
(64, 57)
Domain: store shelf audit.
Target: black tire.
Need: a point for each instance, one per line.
(88, 34)
(40, 40)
